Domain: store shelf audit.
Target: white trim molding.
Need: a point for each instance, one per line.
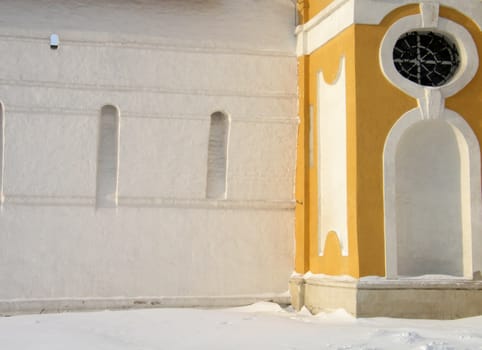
(151, 202)
(341, 14)
(469, 59)
(330, 22)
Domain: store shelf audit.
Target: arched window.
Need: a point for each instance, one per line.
(108, 157)
(217, 156)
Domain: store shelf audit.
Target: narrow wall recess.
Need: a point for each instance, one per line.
(217, 156)
(2, 150)
(108, 157)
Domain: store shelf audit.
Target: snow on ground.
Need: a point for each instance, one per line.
(259, 326)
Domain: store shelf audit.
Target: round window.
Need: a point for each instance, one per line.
(426, 58)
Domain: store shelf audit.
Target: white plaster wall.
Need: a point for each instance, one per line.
(167, 66)
(56, 252)
(428, 201)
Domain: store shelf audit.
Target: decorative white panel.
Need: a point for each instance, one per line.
(332, 174)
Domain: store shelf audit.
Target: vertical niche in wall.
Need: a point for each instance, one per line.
(429, 194)
(2, 149)
(107, 157)
(217, 156)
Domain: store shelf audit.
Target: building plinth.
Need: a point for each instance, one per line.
(422, 298)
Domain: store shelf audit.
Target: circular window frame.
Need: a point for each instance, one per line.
(469, 59)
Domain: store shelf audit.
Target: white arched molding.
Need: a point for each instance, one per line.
(469, 59)
(332, 166)
(470, 187)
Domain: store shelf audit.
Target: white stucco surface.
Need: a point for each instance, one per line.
(167, 66)
(429, 208)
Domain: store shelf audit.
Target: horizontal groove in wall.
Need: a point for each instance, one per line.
(205, 203)
(145, 89)
(267, 120)
(151, 202)
(201, 48)
(135, 115)
(49, 200)
(53, 111)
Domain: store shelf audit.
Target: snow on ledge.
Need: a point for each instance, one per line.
(379, 282)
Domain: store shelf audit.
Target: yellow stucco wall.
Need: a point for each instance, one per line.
(315, 6)
(307, 9)
(379, 106)
(373, 107)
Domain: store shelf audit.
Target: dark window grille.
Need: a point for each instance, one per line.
(426, 58)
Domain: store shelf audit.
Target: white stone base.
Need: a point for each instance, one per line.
(429, 298)
(35, 306)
